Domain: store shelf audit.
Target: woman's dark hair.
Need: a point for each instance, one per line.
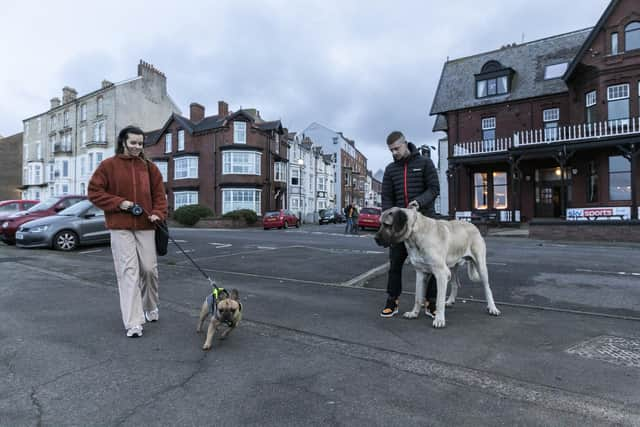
(122, 137)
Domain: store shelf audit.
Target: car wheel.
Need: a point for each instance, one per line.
(298, 224)
(65, 240)
(266, 228)
(286, 225)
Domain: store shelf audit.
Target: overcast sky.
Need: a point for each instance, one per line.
(361, 67)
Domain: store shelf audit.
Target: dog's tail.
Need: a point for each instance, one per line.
(472, 270)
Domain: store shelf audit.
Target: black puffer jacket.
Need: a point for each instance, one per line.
(413, 178)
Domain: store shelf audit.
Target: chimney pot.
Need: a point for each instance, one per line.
(55, 102)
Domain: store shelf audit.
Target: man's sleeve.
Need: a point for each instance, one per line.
(97, 191)
(388, 195)
(431, 184)
(159, 200)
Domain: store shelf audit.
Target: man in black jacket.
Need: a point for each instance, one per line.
(410, 181)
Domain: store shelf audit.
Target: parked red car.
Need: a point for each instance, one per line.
(9, 207)
(369, 218)
(48, 207)
(280, 219)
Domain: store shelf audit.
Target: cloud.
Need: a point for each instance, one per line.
(363, 68)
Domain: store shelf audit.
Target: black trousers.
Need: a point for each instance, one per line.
(397, 256)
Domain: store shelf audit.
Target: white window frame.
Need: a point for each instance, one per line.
(168, 142)
(185, 167)
(279, 172)
(164, 168)
(181, 140)
(83, 166)
(234, 164)
(591, 98)
(295, 203)
(488, 123)
(100, 106)
(295, 173)
(66, 118)
(617, 92)
(184, 198)
(551, 115)
(322, 182)
(231, 205)
(239, 132)
(83, 112)
(64, 163)
(83, 135)
(38, 150)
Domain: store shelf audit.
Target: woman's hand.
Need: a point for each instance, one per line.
(126, 205)
(154, 218)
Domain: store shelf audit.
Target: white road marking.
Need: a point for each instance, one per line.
(91, 252)
(496, 263)
(619, 273)
(220, 245)
(179, 241)
(266, 247)
(186, 251)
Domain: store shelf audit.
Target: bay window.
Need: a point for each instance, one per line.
(241, 163)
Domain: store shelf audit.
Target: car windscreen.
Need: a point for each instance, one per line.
(272, 213)
(43, 206)
(328, 213)
(370, 211)
(77, 209)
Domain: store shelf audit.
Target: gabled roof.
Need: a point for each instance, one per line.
(456, 89)
(590, 39)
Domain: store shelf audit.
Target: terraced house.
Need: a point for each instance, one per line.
(64, 145)
(228, 161)
(548, 128)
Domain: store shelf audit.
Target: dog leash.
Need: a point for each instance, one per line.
(212, 282)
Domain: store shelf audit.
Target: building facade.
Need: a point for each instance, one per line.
(228, 161)
(312, 179)
(549, 128)
(63, 146)
(10, 166)
(352, 174)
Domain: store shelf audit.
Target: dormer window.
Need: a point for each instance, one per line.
(494, 79)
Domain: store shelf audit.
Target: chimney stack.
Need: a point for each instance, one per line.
(223, 109)
(196, 112)
(68, 94)
(106, 83)
(55, 102)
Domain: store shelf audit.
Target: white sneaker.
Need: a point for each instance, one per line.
(151, 316)
(136, 331)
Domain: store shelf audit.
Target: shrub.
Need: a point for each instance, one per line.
(249, 216)
(190, 214)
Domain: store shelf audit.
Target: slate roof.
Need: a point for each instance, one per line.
(456, 89)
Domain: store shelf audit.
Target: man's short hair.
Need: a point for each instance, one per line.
(394, 137)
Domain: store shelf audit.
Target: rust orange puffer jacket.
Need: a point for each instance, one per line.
(121, 178)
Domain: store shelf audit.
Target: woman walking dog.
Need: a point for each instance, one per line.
(129, 189)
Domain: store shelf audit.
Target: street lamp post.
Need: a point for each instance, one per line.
(301, 192)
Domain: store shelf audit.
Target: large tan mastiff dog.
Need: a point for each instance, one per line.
(437, 247)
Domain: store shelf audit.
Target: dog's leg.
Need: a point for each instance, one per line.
(227, 331)
(481, 266)
(455, 284)
(213, 325)
(443, 274)
(420, 296)
(204, 311)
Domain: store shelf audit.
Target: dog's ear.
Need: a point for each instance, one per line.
(399, 220)
(234, 295)
(387, 216)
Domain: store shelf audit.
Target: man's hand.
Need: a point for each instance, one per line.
(126, 205)
(413, 205)
(154, 218)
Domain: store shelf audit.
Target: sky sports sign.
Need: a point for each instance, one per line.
(595, 214)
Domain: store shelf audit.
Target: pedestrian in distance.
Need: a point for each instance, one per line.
(410, 181)
(130, 190)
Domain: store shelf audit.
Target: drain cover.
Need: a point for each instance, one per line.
(617, 350)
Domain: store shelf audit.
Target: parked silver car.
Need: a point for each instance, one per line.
(80, 224)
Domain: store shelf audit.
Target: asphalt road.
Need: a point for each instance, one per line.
(312, 349)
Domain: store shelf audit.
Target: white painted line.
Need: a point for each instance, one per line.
(618, 273)
(374, 252)
(186, 251)
(220, 245)
(91, 252)
(496, 263)
(266, 247)
(180, 241)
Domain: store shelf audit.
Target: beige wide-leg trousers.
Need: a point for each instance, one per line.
(134, 257)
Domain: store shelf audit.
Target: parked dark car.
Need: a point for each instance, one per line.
(282, 218)
(331, 216)
(48, 207)
(9, 207)
(369, 218)
(79, 224)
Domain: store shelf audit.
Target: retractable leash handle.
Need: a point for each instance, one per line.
(212, 282)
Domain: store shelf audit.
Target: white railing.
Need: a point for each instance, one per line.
(481, 147)
(570, 133)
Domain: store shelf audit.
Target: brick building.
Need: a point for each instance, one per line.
(10, 170)
(548, 128)
(228, 161)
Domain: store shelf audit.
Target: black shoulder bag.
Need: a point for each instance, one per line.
(162, 229)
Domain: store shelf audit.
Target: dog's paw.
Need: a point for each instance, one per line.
(411, 315)
(206, 347)
(438, 322)
(449, 303)
(493, 311)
